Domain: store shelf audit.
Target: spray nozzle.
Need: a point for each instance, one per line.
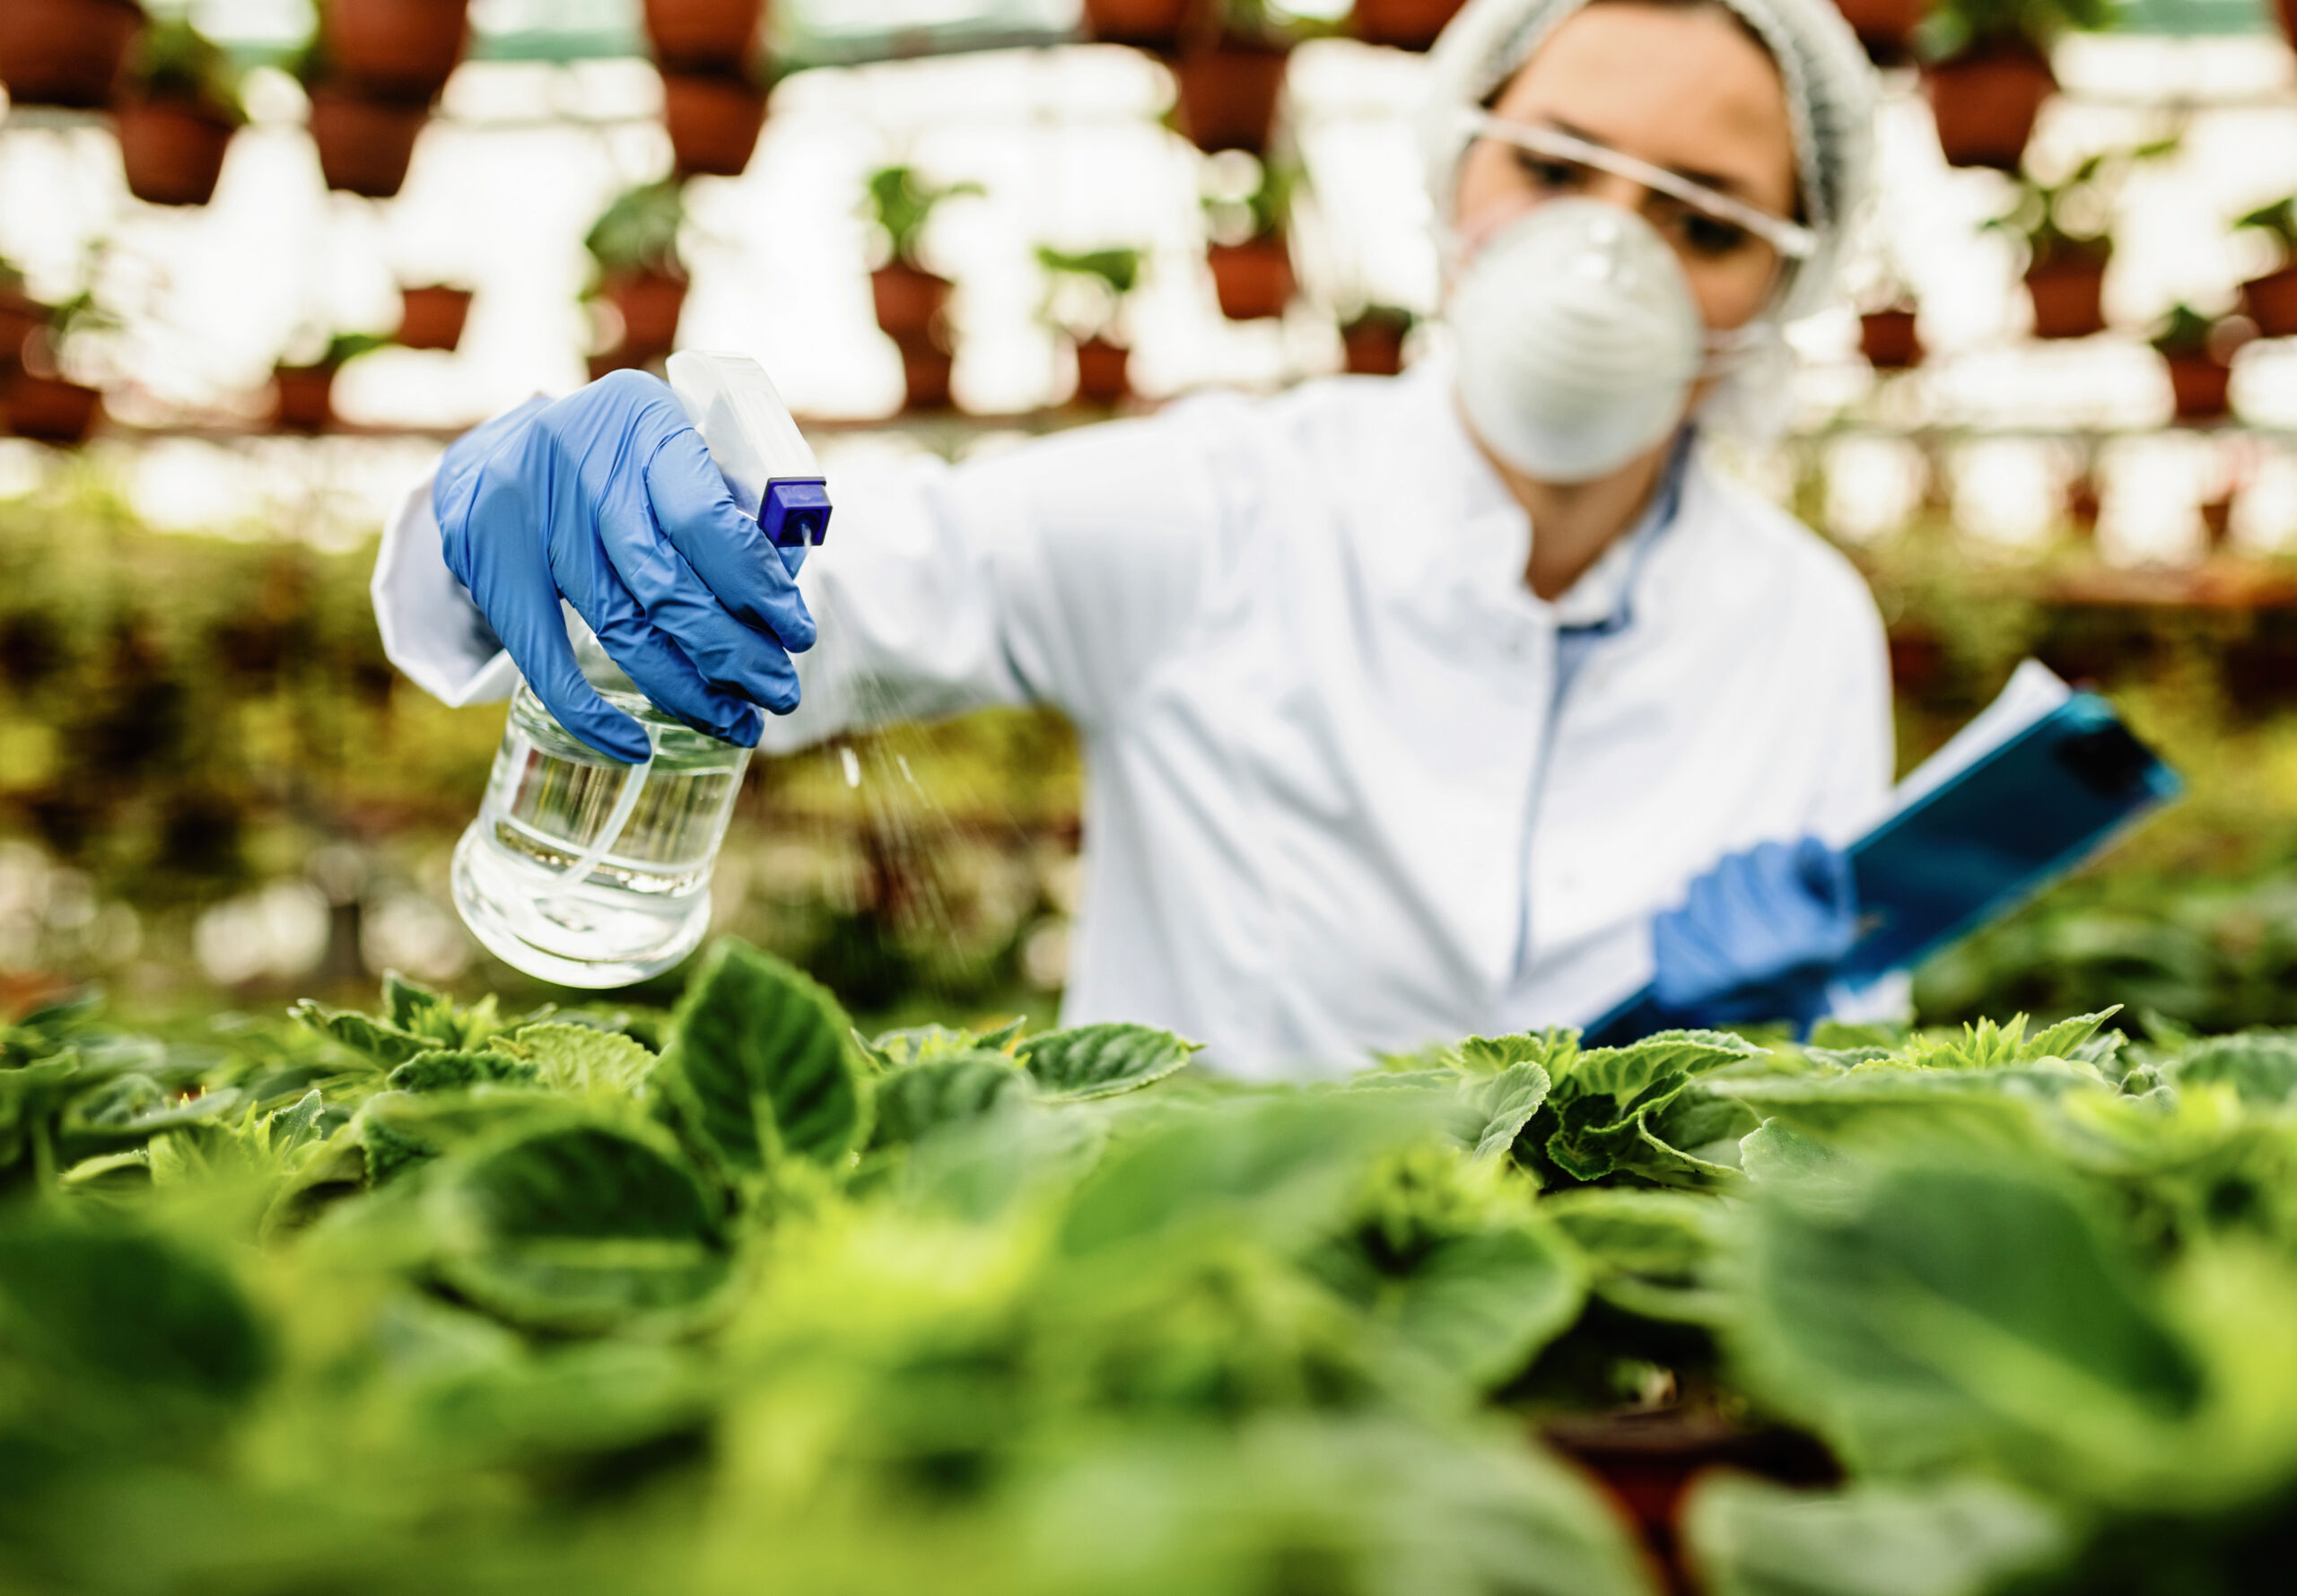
(755, 445)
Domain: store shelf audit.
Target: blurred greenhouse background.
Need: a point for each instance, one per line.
(2061, 418)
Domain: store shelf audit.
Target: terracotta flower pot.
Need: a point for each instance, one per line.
(704, 35)
(364, 144)
(18, 316)
(925, 375)
(1404, 24)
(1228, 93)
(713, 118)
(65, 52)
(1888, 340)
(2198, 384)
(1152, 24)
(172, 150)
(1375, 345)
(2067, 293)
(1984, 103)
(614, 360)
(50, 409)
(1253, 279)
(1102, 372)
(432, 317)
(909, 302)
(306, 397)
(649, 304)
(2271, 302)
(396, 49)
(1884, 27)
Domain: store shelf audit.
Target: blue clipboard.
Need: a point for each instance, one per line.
(2021, 816)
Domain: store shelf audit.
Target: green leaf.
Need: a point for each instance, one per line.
(577, 1226)
(581, 1061)
(442, 1070)
(111, 1329)
(378, 1039)
(761, 1066)
(2261, 1066)
(1776, 1154)
(1102, 1060)
(1552, 1050)
(413, 1006)
(1956, 1538)
(1507, 1102)
(1483, 1304)
(1935, 1315)
(1651, 1252)
(913, 1102)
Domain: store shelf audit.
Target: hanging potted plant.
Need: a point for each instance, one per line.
(1230, 74)
(20, 313)
(43, 402)
(1401, 25)
(1988, 72)
(1250, 257)
(365, 142)
(431, 316)
(2198, 351)
(908, 298)
(633, 247)
(305, 389)
(1885, 28)
(2271, 300)
(178, 116)
(704, 35)
(1887, 339)
(1373, 339)
(1085, 296)
(65, 52)
(2063, 226)
(395, 49)
(713, 116)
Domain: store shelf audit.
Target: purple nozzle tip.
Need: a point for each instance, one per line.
(795, 512)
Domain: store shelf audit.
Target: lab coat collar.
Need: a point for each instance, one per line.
(1491, 536)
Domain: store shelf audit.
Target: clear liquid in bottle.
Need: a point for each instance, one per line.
(587, 872)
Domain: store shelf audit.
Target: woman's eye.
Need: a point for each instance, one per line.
(1549, 173)
(1711, 236)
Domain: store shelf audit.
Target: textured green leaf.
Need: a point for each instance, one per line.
(952, 1086)
(1102, 1060)
(1507, 1102)
(1483, 1304)
(1958, 1538)
(1651, 1252)
(2259, 1065)
(579, 1226)
(761, 1065)
(445, 1070)
(378, 1039)
(1648, 1071)
(582, 1060)
(1776, 1154)
(897, 1050)
(415, 1007)
(1942, 1315)
(1551, 1050)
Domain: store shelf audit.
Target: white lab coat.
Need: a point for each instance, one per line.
(1334, 802)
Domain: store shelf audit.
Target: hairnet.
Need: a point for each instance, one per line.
(1829, 103)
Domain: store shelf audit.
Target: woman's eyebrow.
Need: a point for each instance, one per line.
(1720, 182)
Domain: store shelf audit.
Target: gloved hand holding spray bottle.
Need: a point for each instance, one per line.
(589, 862)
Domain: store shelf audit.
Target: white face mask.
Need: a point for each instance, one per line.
(1579, 340)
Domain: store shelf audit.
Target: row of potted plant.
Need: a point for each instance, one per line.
(372, 71)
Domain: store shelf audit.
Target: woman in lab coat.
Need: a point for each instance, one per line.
(1463, 701)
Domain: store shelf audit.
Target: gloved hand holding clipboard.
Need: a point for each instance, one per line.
(2036, 784)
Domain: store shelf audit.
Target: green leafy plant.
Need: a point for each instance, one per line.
(2069, 220)
(1086, 290)
(638, 232)
(1956, 27)
(2186, 331)
(175, 61)
(901, 203)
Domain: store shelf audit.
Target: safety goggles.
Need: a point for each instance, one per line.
(1792, 240)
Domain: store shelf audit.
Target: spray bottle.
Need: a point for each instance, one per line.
(589, 872)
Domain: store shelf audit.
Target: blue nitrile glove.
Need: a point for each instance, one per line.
(609, 499)
(1758, 937)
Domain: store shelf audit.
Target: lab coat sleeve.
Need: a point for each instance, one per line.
(1057, 571)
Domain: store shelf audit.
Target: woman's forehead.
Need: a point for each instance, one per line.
(1681, 86)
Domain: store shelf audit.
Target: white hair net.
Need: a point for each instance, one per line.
(1830, 95)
